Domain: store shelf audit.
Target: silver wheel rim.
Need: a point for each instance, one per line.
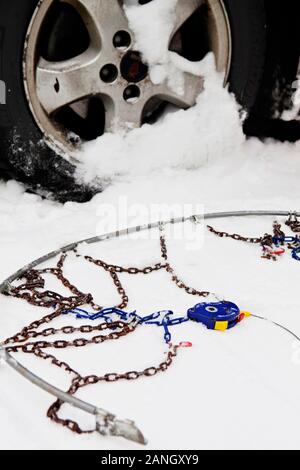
(97, 72)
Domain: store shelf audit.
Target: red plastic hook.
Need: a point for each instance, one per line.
(241, 317)
(185, 344)
(278, 252)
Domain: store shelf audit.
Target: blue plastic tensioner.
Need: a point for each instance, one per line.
(216, 316)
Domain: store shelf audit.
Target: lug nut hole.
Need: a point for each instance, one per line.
(132, 93)
(122, 40)
(109, 73)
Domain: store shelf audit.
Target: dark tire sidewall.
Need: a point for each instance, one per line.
(24, 152)
(248, 30)
(17, 16)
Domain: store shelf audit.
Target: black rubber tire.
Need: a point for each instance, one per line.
(23, 153)
(280, 72)
(248, 29)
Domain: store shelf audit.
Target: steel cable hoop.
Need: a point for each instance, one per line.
(282, 327)
(140, 228)
(61, 395)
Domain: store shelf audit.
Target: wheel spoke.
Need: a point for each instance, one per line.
(120, 114)
(184, 10)
(102, 17)
(62, 83)
(193, 86)
(129, 114)
(102, 69)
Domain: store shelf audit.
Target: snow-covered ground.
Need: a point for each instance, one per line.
(238, 389)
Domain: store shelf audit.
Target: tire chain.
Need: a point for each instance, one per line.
(27, 291)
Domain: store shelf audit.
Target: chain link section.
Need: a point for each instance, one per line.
(235, 236)
(293, 223)
(268, 241)
(179, 283)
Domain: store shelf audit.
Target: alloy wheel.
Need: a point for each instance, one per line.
(83, 75)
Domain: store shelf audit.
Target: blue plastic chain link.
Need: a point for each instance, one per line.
(166, 322)
(161, 318)
(295, 253)
(220, 315)
(295, 241)
(278, 240)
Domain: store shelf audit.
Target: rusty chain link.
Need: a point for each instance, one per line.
(179, 283)
(80, 382)
(235, 236)
(293, 223)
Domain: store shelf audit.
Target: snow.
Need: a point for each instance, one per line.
(239, 389)
(294, 113)
(166, 139)
(149, 22)
(155, 20)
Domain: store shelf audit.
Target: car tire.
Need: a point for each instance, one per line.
(24, 153)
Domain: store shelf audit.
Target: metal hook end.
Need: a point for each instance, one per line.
(3, 354)
(197, 219)
(110, 425)
(161, 226)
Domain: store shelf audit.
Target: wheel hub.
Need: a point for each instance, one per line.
(109, 70)
(133, 68)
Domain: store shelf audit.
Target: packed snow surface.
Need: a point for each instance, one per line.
(238, 389)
